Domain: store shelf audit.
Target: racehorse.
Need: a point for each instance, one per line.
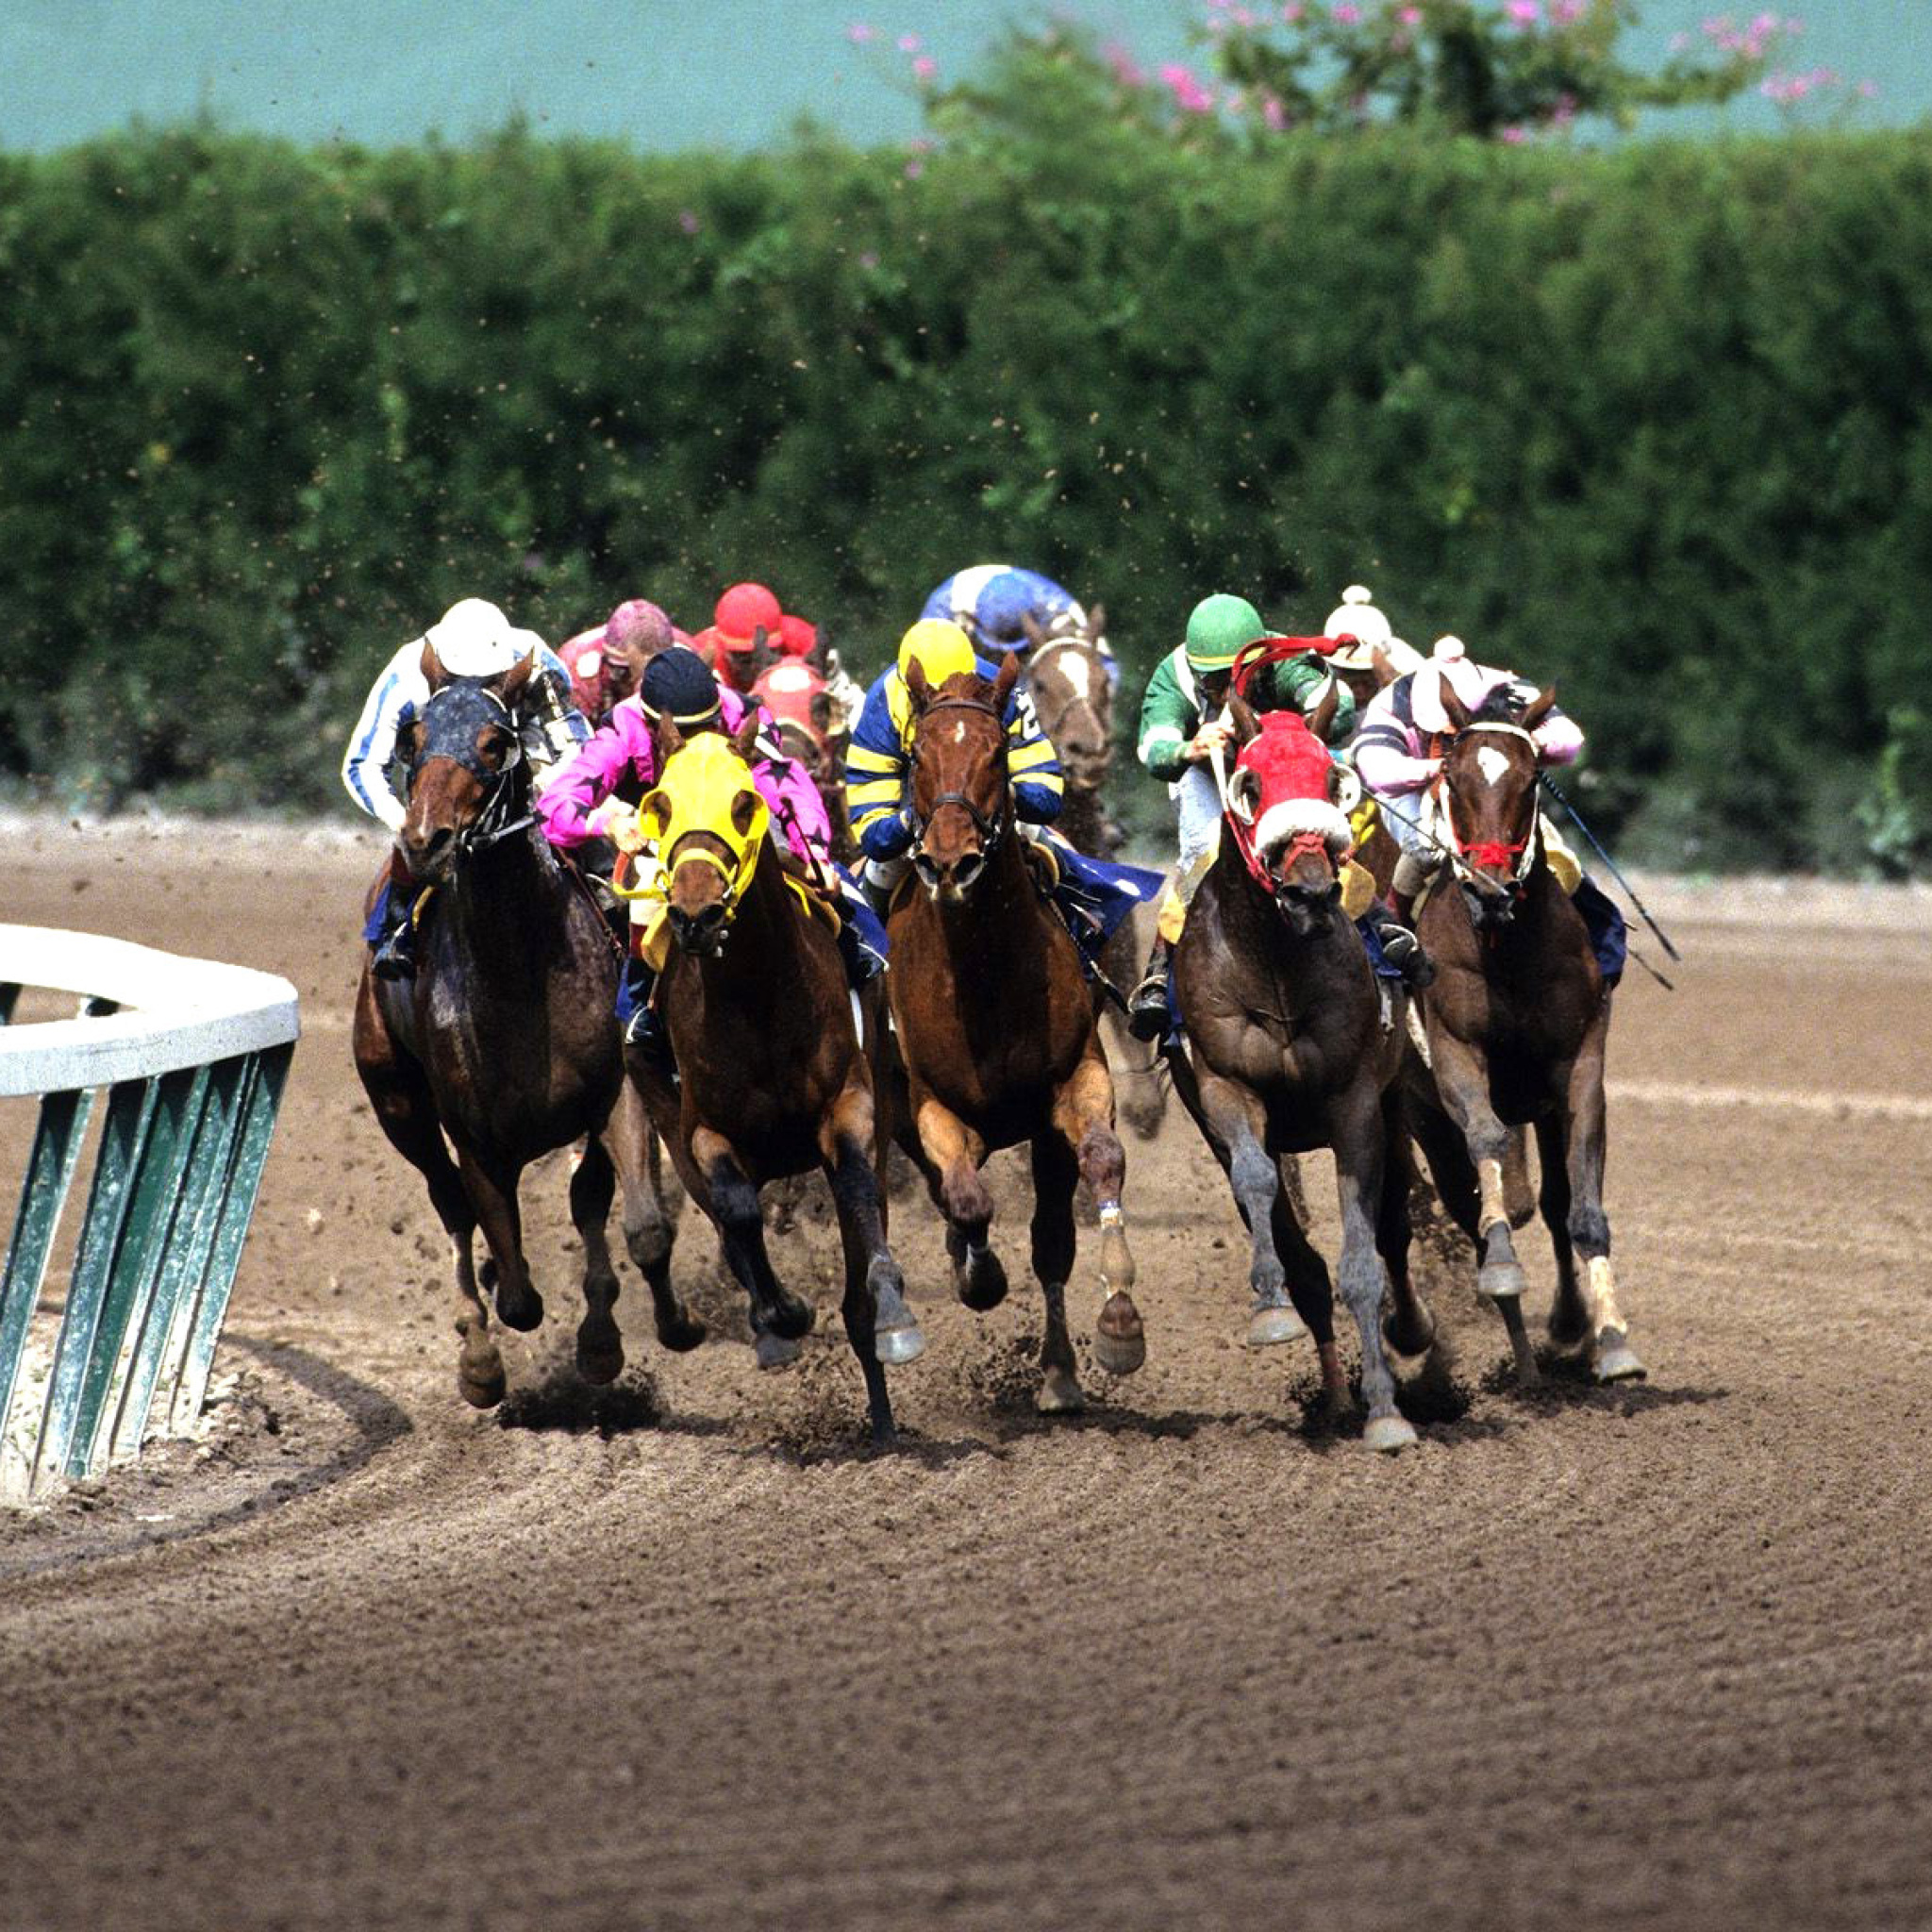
(772, 1079)
(504, 1039)
(996, 1032)
(1072, 695)
(1515, 1027)
(1289, 1047)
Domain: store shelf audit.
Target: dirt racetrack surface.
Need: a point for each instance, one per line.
(683, 1656)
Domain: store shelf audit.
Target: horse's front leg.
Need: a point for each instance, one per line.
(779, 1317)
(495, 1196)
(600, 1347)
(1462, 1083)
(1239, 1122)
(650, 1215)
(1411, 1328)
(878, 1324)
(950, 1153)
(1356, 1133)
(1083, 1116)
(1587, 1227)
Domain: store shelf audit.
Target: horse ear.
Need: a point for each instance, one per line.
(1034, 636)
(1244, 792)
(656, 807)
(516, 678)
(917, 689)
(1453, 708)
(1322, 717)
(1246, 725)
(1003, 685)
(745, 809)
(745, 740)
(821, 712)
(762, 655)
(1096, 622)
(434, 676)
(1539, 707)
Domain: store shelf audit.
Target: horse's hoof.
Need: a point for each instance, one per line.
(981, 1282)
(1386, 1434)
(1059, 1394)
(1119, 1343)
(1568, 1342)
(898, 1345)
(682, 1334)
(482, 1388)
(775, 1351)
(1502, 1281)
(1271, 1327)
(600, 1360)
(1616, 1360)
(1407, 1341)
(791, 1316)
(522, 1312)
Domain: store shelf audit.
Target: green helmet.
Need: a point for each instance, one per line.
(1218, 628)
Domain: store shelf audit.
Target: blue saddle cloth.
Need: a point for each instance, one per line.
(1097, 895)
(1609, 938)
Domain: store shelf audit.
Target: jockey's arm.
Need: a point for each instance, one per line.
(580, 784)
(788, 789)
(876, 780)
(1039, 790)
(1168, 720)
(373, 743)
(1559, 737)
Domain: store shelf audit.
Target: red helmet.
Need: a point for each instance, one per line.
(742, 612)
(796, 637)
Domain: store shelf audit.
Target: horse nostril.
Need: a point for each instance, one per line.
(968, 869)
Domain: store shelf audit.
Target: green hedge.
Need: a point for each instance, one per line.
(1655, 422)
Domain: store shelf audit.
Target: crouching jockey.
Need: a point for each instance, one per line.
(1001, 609)
(581, 803)
(1398, 751)
(1185, 730)
(473, 639)
(1092, 895)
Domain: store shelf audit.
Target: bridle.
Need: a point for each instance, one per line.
(991, 829)
(1512, 859)
(504, 790)
(1084, 645)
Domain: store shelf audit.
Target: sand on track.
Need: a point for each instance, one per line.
(680, 1656)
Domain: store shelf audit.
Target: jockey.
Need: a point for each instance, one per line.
(580, 803)
(471, 638)
(604, 664)
(729, 643)
(876, 770)
(1181, 730)
(799, 643)
(1369, 654)
(1398, 753)
(991, 602)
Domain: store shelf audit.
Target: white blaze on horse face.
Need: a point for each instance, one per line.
(959, 732)
(1077, 667)
(1492, 763)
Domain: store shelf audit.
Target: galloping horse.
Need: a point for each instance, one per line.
(504, 1039)
(1515, 1029)
(995, 1028)
(1072, 695)
(770, 1078)
(1290, 1048)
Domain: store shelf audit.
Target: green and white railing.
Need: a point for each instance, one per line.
(193, 1055)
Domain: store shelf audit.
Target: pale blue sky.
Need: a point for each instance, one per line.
(664, 73)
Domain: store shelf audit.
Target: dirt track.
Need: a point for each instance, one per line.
(684, 1658)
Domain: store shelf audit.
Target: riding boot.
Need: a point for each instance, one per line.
(1149, 1017)
(1401, 948)
(643, 1028)
(395, 951)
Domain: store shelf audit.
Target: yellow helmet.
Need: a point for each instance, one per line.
(943, 649)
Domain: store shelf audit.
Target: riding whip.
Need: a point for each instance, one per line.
(1576, 818)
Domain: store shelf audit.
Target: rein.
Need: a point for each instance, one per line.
(1514, 858)
(991, 830)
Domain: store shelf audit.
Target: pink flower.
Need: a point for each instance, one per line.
(1189, 97)
(914, 168)
(1345, 13)
(689, 221)
(1127, 69)
(1515, 137)
(1274, 113)
(858, 33)
(1526, 13)
(925, 67)
(1410, 16)
(1565, 12)
(1292, 13)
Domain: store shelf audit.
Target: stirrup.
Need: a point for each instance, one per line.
(1148, 1017)
(395, 958)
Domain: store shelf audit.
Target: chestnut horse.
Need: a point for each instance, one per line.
(1289, 1047)
(996, 1032)
(1515, 1026)
(772, 1079)
(504, 1039)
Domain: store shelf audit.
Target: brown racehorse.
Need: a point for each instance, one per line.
(504, 1039)
(1291, 1048)
(1072, 695)
(772, 1079)
(995, 1030)
(1515, 1024)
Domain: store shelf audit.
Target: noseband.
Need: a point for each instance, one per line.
(476, 706)
(991, 830)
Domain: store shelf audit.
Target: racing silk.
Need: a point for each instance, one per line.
(589, 677)
(1392, 752)
(875, 765)
(553, 727)
(625, 747)
(989, 602)
(1170, 711)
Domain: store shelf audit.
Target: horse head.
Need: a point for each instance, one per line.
(962, 793)
(708, 823)
(1289, 801)
(1067, 674)
(466, 764)
(1488, 797)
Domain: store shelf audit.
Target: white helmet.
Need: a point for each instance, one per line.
(473, 639)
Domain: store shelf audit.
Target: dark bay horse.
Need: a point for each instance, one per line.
(1289, 1047)
(1073, 694)
(771, 1077)
(1515, 1027)
(504, 1039)
(996, 1032)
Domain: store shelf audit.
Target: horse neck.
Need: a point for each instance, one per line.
(509, 901)
(991, 921)
(765, 934)
(1260, 937)
(1083, 821)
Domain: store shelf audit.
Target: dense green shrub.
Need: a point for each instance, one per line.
(1655, 422)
